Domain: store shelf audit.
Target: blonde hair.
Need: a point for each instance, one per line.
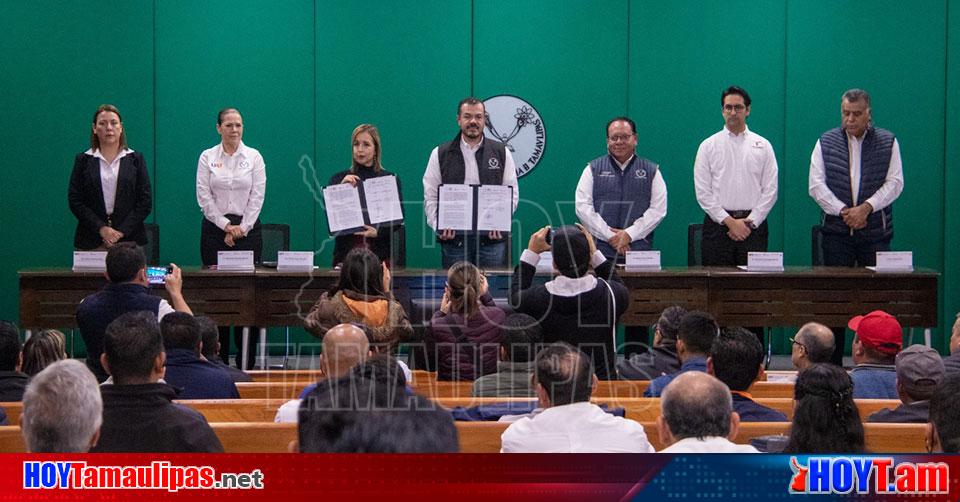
(94, 139)
(375, 135)
(463, 279)
(42, 350)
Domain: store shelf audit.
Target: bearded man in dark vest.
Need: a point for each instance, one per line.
(469, 159)
(855, 175)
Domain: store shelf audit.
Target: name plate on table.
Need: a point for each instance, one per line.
(642, 260)
(89, 261)
(546, 262)
(237, 261)
(295, 261)
(894, 261)
(764, 262)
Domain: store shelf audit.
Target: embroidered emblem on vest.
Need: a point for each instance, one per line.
(493, 163)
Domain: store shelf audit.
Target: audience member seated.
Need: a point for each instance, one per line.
(812, 344)
(138, 412)
(569, 422)
(186, 371)
(736, 359)
(519, 339)
(878, 339)
(825, 418)
(12, 380)
(943, 431)
(661, 358)
(62, 409)
(127, 291)
(355, 414)
(919, 372)
(343, 347)
(362, 295)
(697, 416)
(42, 350)
(210, 348)
(694, 340)
(952, 362)
(575, 307)
(464, 334)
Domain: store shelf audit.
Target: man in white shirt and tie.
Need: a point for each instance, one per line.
(735, 175)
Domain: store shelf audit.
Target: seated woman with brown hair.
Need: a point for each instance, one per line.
(42, 350)
(362, 295)
(464, 334)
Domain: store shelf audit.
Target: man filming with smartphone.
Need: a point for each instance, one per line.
(127, 291)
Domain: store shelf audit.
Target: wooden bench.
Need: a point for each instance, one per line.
(264, 410)
(484, 437)
(605, 388)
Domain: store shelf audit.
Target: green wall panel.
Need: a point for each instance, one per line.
(404, 69)
(61, 61)
(305, 72)
(215, 54)
(683, 54)
(573, 73)
(951, 185)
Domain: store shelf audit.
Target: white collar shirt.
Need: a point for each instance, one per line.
(109, 173)
(883, 197)
(562, 285)
(231, 184)
(709, 444)
(641, 227)
(736, 172)
(575, 428)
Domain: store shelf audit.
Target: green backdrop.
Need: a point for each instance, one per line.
(305, 72)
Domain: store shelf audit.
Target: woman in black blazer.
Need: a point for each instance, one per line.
(109, 188)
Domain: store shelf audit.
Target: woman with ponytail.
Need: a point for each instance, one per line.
(464, 334)
(825, 418)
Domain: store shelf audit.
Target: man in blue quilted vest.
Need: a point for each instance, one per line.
(855, 175)
(621, 197)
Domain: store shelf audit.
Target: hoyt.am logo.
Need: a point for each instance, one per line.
(878, 475)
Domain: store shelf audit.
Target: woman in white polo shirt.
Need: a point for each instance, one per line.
(231, 182)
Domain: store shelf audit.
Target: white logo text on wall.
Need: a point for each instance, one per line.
(518, 125)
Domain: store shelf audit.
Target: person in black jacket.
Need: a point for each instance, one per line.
(12, 381)
(576, 307)
(366, 164)
(109, 188)
(138, 412)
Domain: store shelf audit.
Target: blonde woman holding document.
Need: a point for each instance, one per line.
(366, 164)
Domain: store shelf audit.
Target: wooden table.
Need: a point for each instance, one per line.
(48, 298)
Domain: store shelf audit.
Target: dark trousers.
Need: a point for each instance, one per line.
(718, 250)
(211, 241)
(851, 250)
(848, 251)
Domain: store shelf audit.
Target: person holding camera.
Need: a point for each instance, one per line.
(576, 307)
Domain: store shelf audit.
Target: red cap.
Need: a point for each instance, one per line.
(878, 330)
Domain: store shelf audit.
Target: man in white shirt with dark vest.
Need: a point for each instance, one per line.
(735, 175)
(470, 159)
(621, 198)
(855, 175)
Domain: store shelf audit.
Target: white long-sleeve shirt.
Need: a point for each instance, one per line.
(231, 184)
(640, 228)
(883, 197)
(432, 178)
(109, 173)
(736, 172)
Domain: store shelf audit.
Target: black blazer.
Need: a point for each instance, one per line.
(133, 203)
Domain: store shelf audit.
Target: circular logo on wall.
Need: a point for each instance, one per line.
(518, 125)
